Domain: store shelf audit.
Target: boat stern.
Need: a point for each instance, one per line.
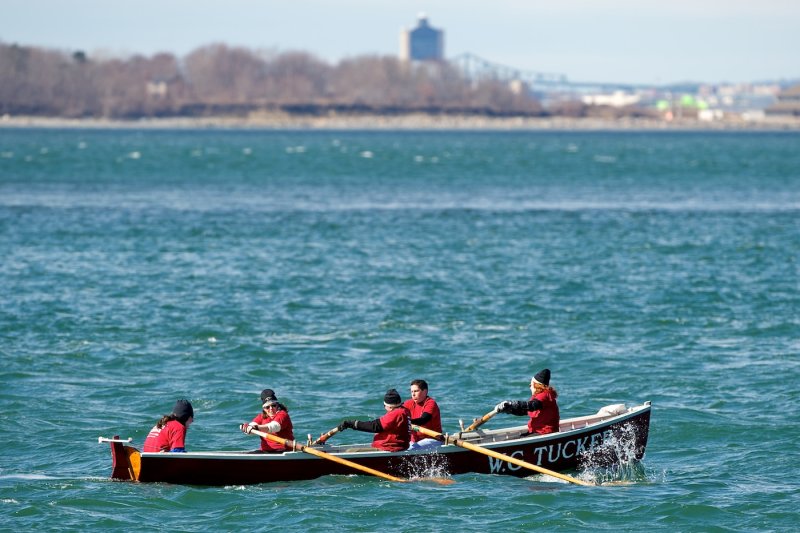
(126, 461)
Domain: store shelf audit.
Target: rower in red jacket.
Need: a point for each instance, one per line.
(424, 413)
(541, 407)
(393, 430)
(274, 418)
(169, 433)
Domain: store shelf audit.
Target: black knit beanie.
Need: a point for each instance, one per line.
(543, 377)
(392, 398)
(183, 411)
(268, 397)
(267, 393)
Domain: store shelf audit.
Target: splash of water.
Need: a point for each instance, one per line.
(614, 461)
(429, 465)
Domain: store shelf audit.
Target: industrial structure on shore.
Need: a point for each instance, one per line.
(424, 43)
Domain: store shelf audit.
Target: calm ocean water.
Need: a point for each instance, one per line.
(142, 266)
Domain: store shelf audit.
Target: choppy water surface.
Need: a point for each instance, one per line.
(138, 267)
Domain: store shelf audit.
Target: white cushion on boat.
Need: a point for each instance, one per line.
(611, 410)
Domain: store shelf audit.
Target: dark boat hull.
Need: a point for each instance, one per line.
(595, 440)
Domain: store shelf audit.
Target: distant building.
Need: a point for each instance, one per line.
(519, 87)
(615, 99)
(788, 103)
(423, 43)
(157, 88)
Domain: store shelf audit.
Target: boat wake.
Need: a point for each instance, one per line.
(28, 477)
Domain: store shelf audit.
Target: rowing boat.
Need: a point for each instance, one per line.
(615, 434)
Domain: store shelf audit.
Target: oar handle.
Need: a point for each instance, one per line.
(325, 436)
(102, 440)
(497, 455)
(294, 445)
(482, 420)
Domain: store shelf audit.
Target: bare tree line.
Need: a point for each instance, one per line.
(220, 79)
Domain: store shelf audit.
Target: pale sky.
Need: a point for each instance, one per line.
(626, 41)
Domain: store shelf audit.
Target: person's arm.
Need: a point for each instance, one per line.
(255, 424)
(424, 418)
(518, 407)
(270, 427)
(373, 426)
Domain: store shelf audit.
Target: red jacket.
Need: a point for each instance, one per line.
(171, 436)
(546, 419)
(396, 433)
(282, 418)
(416, 410)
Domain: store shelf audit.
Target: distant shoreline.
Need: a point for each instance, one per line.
(406, 122)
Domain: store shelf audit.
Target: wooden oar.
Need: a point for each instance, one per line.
(482, 420)
(491, 453)
(294, 445)
(325, 436)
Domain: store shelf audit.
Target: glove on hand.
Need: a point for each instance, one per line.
(503, 407)
(347, 424)
(250, 427)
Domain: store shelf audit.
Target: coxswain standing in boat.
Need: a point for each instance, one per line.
(274, 418)
(541, 408)
(169, 433)
(393, 430)
(425, 413)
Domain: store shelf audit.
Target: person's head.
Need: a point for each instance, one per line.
(392, 400)
(269, 401)
(183, 412)
(419, 390)
(541, 381)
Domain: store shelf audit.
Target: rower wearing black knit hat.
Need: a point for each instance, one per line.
(273, 418)
(541, 407)
(393, 432)
(169, 433)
